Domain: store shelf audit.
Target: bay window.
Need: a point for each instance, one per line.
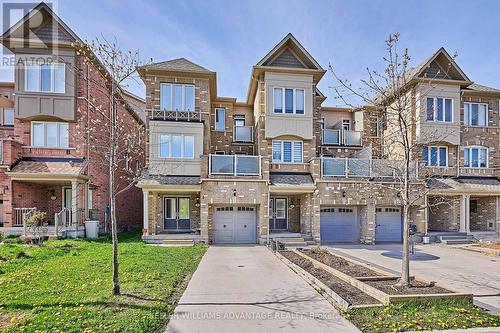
(440, 109)
(45, 78)
(289, 100)
(49, 134)
(177, 97)
(476, 114)
(475, 157)
(435, 156)
(176, 146)
(287, 151)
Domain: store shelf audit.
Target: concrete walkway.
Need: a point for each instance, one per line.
(247, 289)
(462, 270)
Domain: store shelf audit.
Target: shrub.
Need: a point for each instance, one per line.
(38, 227)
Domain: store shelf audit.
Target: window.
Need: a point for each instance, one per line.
(45, 78)
(177, 97)
(476, 114)
(220, 119)
(49, 134)
(439, 109)
(475, 157)
(346, 124)
(8, 117)
(293, 100)
(287, 151)
(176, 146)
(239, 120)
(435, 156)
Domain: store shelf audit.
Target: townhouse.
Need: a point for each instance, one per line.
(49, 158)
(277, 165)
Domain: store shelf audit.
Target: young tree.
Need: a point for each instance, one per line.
(111, 138)
(393, 96)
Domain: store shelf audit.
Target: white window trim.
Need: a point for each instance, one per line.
(282, 152)
(438, 157)
(32, 139)
(170, 143)
(435, 120)
(294, 100)
(478, 155)
(183, 103)
(469, 121)
(224, 120)
(39, 81)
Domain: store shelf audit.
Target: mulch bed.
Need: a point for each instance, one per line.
(417, 288)
(345, 290)
(339, 263)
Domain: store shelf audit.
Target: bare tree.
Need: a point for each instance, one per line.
(393, 96)
(112, 138)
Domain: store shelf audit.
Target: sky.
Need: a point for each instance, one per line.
(229, 37)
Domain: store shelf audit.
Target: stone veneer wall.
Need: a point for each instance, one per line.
(444, 213)
(485, 216)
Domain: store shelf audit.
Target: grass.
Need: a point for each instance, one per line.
(421, 315)
(65, 286)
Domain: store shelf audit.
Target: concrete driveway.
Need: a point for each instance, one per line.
(460, 269)
(247, 289)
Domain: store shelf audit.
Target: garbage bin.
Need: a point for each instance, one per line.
(91, 229)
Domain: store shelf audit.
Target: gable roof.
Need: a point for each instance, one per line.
(482, 89)
(440, 65)
(44, 26)
(176, 65)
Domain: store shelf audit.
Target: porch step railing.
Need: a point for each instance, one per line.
(64, 219)
(21, 214)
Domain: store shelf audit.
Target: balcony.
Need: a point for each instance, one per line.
(353, 167)
(234, 165)
(338, 137)
(175, 115)
(243, 134)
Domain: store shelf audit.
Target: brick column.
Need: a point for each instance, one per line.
(204, 215)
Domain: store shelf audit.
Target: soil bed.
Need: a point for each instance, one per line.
(339, 263)
(345, 290)
(417, 288)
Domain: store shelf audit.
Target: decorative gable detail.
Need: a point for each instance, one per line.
(434, 71)
(287, 59)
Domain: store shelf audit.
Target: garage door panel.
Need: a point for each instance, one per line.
(339, 225)
(236, 225)
(389, 224)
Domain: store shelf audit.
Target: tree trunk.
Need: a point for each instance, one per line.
(405, 259)
(112, 201)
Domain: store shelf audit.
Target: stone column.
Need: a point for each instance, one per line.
(74, 202)
(145, 213)
(465, 213)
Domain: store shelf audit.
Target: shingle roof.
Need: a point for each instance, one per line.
(290, 179)
(136, 103)
(73, 167)
(478, 87)
(466, 184)
(178, 65)
(170, 179)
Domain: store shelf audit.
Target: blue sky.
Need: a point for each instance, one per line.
(229, 37)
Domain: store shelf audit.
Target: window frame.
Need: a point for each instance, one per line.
(183, 98)
(294, 101)
(479, 148)
(282, 152)
(219, 121)
(170, 146)
(13, 116)
(58, 135)
(438, 159)
(38, 68)
(468, 120)
(435, 109)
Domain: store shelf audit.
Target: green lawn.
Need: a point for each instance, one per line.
(424, 315)
(65, 286)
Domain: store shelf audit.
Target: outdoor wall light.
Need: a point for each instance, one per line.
(53, 197)
(234, 192)
(343, 194)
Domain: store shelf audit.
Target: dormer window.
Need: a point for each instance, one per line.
(177, 97)
(439, 109)
(476, 114)
(45, 78)
(288, 100)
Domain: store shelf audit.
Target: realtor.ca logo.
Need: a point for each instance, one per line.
(28, 26)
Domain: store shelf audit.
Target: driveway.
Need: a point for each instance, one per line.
(247, 289)
(460, 269)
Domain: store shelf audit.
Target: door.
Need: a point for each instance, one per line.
(339, 225)
(388, 224)
(67, 203)
(278, 214)
(235, 225)
(176, 213)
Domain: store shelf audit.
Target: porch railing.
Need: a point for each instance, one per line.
(243, 134)
(64, 219)
(354, 167)
(234, 165)
(21, 214)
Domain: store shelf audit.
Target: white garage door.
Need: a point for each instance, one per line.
(339, 225)
(389, 228)
(234, 224)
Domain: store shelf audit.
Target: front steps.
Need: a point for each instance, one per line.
(455, 238)
(292, 242)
